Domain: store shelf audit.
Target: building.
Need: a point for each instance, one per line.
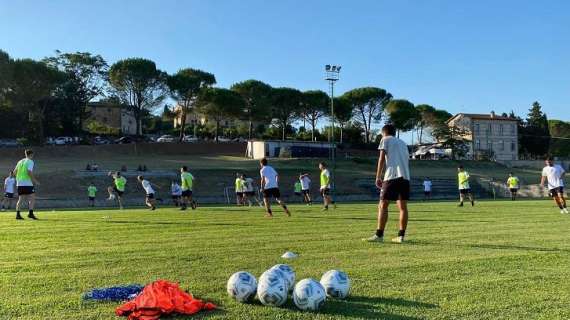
(489, 135)
(194, 118)
(111, 115)
(287, 149)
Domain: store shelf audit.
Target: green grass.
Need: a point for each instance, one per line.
(498, 260)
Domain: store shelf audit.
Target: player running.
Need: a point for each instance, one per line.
(150, 199)
(554, 175)
(306, 188)
(238, 185)
(26, 182)
(513, 183)
(9, 191)
(393, 179)
(249, 190)
(270, 187)
(91, 194)
(118, 189)
(464, 187)
(176, 193)
(187, 183)
(427, 189)
(325, 188)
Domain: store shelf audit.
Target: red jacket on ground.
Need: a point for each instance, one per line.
(161, 298)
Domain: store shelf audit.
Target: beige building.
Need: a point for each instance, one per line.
(194, 118)
(112, 115)
(489, 135)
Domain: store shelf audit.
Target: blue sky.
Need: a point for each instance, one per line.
(470, 56)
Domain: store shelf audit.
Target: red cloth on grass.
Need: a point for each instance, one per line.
(161, 298)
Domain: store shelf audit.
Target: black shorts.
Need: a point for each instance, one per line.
(91, 198)
(175, 197)
(273, 192)
(298, 193)
(465, 191)
(249, 193)
(9, 195)
(514, 190)
(325, 191)
(396, 189)
(150, 196)
(187, 193)
(26, 190)
(119, 193)
(239, 194)
(427, 193)
(556, 191)
(306, 192)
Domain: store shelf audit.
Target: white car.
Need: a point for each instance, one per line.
(189, 139)
(166, 138)
(59, 141)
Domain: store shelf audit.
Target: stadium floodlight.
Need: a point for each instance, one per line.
(328, 67)
(332, 75)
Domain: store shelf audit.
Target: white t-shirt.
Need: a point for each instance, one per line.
(176, 190)
(248, 185)
(10, 185)
(427, 186)
(554, 176)
(269, 175)
(305, 183)
(27, 183)
(147, 187)
(397, 158)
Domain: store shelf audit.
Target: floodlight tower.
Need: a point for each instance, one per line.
(332, 73)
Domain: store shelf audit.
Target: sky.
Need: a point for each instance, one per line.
(462, 56)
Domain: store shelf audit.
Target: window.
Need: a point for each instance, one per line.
(490, 129)
(513, 146)
(477, 128)
(501, 129)
(501, 145)
(477, 144)
(512, 128)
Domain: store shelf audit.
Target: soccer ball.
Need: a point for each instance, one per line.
(336, 284)
(242, 286)
(287, 272)
(272, 289)
(309, 295)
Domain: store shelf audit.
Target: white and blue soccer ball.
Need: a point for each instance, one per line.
(287, 272)
(336, 284)
(272, 289)
(309, 295)
(242, 286)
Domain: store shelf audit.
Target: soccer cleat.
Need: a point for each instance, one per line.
(398, 239)
(325, 209)
(19, 217)
(566, 210)
(153, 208)
(374, 238)
(472, 203)
(32, 216)
(562, 211)
(193, 205)
(460, 204)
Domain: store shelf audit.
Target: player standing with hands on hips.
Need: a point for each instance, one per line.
(393, 178)
(26, 182)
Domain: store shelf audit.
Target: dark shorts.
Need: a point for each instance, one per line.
(175, 197)
(427, 193)
(465, 191)
(187, 193)
(514, 190)
(396, 189)
(249, 193)
(325, 191)
(556, 191)
(9, 195)
(273, 192)
(306, 192)
(91, 198)
(26, 190)
(239, 194)
(119, 193)
(298, 193)
(150, 196)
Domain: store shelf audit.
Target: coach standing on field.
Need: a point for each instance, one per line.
(26, 182)
(393, 163)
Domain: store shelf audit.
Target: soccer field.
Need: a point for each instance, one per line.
(498, 260)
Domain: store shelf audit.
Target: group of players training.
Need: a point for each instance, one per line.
(392, 179)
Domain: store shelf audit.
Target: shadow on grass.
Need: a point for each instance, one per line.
(488, 246)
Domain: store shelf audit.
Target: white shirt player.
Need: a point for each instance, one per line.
(427, 186)
(248, 185)
(554, 176)
(147, 187)
(10, 185)
(176, 190)
(397, 158)
(269, 176)
(305, 183)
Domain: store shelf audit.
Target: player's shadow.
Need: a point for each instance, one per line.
(450, 220)
(361, 307)
(514, 247)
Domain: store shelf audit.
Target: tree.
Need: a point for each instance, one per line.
(368, 104)
(257, 98)
(534, 133)
(185, 86)
(402, 114)
(34, 85)
(454, 139)
(560, 131)
(286, 104)
(5, 75)
(314, 106)
(342, 113)
(219, 104)
(425, 114)
(139, 84)
(86, 75)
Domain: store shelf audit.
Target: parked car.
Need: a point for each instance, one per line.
(101, 140)
(60, 141)
(189, 138)
(223, 139)
(9, 143)
(166, 138)
(124, 140)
